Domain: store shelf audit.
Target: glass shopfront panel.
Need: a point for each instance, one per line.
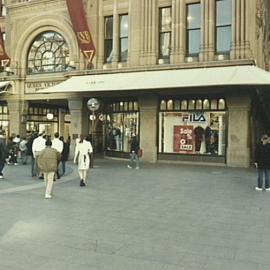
(4, 119)
(193, 132)
(122, 122)
(119, 129)
(41, 118)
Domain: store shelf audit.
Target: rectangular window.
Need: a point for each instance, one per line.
(193, 37)
(223, 26)
(122, 122)
(108, 39)
(165, 28)
(192, 126)
(120, 127)
(123, 42)
(3, 11)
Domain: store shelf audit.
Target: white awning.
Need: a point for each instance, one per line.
(3, 86)
(180, 78)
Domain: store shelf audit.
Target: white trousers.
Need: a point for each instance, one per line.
(83, 174)
(48, 178)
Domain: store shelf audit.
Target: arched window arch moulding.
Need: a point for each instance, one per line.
(34, 28)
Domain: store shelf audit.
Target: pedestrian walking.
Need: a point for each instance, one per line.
(37, 146)
(83, 151)
(134, 153)
(64, 156)
(23, 150)
(47, 161)
(58, 145)
(262, 163)
(3, 153)
(29, 145)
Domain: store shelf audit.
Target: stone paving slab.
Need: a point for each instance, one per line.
(161, 217)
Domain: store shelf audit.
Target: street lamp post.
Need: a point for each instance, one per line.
(93, 105)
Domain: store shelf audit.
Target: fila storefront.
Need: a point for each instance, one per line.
(185, 115)
(192, 129)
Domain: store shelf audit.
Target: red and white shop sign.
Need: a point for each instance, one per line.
(183, 139)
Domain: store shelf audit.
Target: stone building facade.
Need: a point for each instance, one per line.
(213, 123)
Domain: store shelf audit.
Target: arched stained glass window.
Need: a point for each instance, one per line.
(48, 53)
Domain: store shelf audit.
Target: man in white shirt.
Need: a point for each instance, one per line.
(37, 147)
(58, 145)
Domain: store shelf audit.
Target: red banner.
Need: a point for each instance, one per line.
(183, 139)
(5, 60)
(80, 27)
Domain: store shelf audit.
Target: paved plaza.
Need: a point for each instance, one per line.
(161, 217)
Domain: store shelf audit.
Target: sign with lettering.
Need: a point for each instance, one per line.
(183, 139)
(81, 29)
(193, 117)
(40, 85)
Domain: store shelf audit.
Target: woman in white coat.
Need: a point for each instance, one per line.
(83, 150)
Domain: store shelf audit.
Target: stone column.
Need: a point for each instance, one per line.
(149, 29)
(75, 107)
(238, 151)
(148, 127)
(17, 116)
(240, 48)
(100, 47)
(134, 32)
(177, 46)
(115, 58)
(207, 31)
(61, 122)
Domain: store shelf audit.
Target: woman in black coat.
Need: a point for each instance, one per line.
(64, 155)
(262, 162)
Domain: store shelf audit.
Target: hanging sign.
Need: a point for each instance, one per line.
(80, 27)
(4, 59)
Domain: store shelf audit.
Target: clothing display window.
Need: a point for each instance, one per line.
(121, 125)
(41, 118)
(201, 132)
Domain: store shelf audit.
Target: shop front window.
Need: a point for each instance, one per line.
(201, 132)
(121, 126)
(4, 119)
(38, 119)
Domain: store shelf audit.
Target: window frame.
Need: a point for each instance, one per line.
(163, 33)
(123, 37)
(189, 30)
(222, 26)
(108, 40)
(46, 42)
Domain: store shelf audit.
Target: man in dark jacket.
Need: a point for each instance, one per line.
(3, 153)
(134, 149)
(262, 162)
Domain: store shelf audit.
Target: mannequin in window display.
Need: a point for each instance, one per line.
(117, 138)
(211, 141)
(207, 135)
(199, 136)
(111, 144)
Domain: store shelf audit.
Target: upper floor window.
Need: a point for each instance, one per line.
(193, 29)
(108, 39)
(165, 28)
(48, 53)
(223, 25)
(123, 42)
(3, 10)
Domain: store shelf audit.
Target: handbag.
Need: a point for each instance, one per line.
(140, 152)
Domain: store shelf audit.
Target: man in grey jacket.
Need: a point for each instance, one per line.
(47, 162)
